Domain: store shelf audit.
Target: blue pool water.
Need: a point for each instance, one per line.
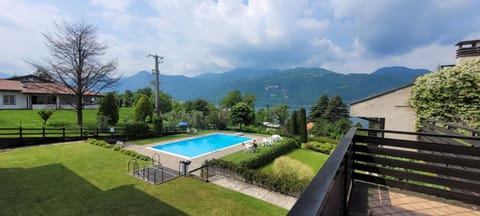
(196, 147)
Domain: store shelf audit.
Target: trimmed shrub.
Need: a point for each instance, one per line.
(270, 154)
(137, 129)
(283, 184)
(143, 108)
(323, 139)
(288, 167)
(108, 107)
(325, 148)
(131, 153)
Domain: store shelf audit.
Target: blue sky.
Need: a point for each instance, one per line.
(198, 36)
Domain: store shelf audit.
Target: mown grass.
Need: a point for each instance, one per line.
(59, 118)
(313, 159)
(82, 179)
(237, 157)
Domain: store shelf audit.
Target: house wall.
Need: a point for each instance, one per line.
(394, 107)
(20, 100)
(461, 60)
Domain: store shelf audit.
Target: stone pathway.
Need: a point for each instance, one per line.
(275, 198)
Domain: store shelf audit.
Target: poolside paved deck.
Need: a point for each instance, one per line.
(172, 162)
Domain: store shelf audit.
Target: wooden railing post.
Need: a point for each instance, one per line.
(20, 132)
(81, 131)
(63, 133)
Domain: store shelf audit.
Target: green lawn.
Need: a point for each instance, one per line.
(237, 157)
(59, 118)
(82, 179)
(313, 159)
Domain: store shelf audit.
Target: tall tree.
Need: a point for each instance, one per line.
(202, 106)
(336, 109)
(293, 124)
(128, 99)
(231, 99)
(280, 113)
(302, 124)
(75, 61)
(318, 109)
(143, 108)
(166, 104)
(242, 113)
(249, 99)
(108, 107)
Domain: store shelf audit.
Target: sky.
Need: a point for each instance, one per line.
(200, 36)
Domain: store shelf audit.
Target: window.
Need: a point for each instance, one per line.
(8, 99)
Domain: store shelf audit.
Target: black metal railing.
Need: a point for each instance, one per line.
(328, 193)
(441, 169)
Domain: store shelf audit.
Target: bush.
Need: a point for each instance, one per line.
(450, 95)
(143, 108)
(104, 144)
(108, 108)
(325, 148)
(324, 140)
(270, 154)
(283, 184)
(291, 168)
(137, 129)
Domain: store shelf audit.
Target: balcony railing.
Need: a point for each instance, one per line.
(434, 168)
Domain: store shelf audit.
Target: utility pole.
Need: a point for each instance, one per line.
(158, 60)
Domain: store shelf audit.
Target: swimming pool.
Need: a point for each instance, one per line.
(200, 146)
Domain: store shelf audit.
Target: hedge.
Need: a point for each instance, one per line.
(289, 185)
(270, 154)
(131, 153)
(137, 129)
(325, 148)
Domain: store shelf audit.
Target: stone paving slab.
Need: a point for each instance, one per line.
(391, 201)
(275, 198)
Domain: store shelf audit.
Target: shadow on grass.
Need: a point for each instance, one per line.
(55, 190)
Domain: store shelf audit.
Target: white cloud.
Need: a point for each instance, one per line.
(21, 27)
(197, 36)
(114, 5)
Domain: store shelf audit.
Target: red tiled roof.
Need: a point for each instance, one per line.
(50, 88)
(39, 88)
(10, 85)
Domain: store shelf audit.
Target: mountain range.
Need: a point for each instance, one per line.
(297, 86)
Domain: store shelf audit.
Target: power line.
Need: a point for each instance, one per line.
(158, 60)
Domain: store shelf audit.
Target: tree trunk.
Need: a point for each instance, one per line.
(79, 111)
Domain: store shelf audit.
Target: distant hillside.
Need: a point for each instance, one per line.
(298, 86)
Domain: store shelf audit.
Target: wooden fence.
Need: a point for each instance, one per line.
(20, 136)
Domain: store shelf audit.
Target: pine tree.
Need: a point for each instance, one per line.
(302, 124)
(318, 110)
(293, 124)
(336, 109)
(109, 108)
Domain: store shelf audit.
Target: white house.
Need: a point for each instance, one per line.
(32, 92)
